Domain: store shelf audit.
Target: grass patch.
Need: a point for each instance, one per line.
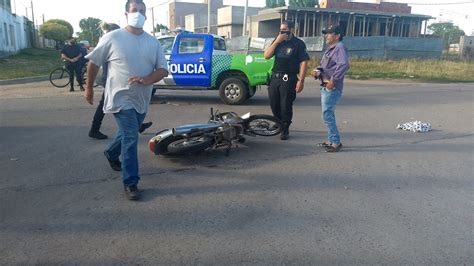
(410, 69)
(29, 62)
(39, 62)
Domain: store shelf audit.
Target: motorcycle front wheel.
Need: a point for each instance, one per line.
(189, 145)
(263, 125)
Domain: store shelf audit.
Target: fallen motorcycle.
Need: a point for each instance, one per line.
(222, 130)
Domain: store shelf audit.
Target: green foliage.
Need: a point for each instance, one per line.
(274, 3)
(90, 30)
(159, 27)
(54, 31)
(64, 23)
(302, 3)
(449, 32)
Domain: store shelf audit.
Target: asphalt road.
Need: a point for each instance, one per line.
(390, 197)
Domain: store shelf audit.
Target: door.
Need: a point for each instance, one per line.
(190, 62)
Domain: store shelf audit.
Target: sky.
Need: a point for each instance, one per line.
(460, 12)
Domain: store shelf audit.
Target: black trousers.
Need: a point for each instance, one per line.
(98, 116)
(75, 68)
(282, 94)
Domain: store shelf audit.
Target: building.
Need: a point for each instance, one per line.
(16, 32)
(357, 19)
(178, 10)
(230, 20)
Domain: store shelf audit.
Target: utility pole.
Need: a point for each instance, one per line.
(34, 26)
(244, 30)
(153, 20)
(208, 16)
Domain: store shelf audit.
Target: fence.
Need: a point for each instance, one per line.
(377, 47)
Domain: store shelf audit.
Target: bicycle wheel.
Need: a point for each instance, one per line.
(59, 77)
(263, 125)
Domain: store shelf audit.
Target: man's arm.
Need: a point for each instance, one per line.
(92, 70)
(154, 77)
(270, 51)
(301, 76)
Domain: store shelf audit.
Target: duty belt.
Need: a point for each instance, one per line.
(283, 76)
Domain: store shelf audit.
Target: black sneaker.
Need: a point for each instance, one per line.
(132, 192)
(71, 89)
(144, 126)
(116, 165)
(97, 135)
(82, 88)
(285, 134)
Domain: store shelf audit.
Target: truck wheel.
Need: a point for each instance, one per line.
(233, 91)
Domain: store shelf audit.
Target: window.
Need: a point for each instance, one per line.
(5, 31)
(191, 45)
(219, 44)
(166, 44)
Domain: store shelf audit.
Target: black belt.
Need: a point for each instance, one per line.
(279, 75)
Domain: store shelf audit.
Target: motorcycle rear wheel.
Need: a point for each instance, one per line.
(189, 145)
(263, 125)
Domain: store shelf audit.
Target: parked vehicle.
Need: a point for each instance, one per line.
(201, 61)
(222, 130)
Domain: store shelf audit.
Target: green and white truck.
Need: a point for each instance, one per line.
(201, 61)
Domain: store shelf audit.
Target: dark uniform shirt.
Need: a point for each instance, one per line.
(71, 51)
(288, 56)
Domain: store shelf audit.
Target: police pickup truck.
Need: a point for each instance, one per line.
(201, 61)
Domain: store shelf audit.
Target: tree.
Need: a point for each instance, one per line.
(274, 3)
(54, 31)
(302, 3)
(64, 23)
(159, 27)
(449, 32)
(90, 30)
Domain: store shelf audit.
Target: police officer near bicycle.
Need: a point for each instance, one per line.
(71, 53)
(288, 73)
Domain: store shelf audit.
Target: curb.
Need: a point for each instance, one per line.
(23, 80)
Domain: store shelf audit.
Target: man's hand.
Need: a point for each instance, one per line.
(330, 85)
(135, 80)
(89, 94)
(299, 86)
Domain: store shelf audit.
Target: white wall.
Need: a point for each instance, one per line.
(13, 34)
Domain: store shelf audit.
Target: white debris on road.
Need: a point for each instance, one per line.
(415, 126)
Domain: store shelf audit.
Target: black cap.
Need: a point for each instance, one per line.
(334, 29)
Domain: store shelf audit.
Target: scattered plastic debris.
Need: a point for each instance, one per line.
(415, 126)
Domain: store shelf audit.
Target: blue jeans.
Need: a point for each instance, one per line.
(125, 144)
(329, 99)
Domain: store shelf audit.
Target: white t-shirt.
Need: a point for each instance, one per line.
(128, 55)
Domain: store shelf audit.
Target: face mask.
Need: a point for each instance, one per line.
(136, 20)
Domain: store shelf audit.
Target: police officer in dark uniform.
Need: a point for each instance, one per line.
(72, 53)
(288, 74)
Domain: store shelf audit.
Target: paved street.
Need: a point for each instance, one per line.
(389, 197)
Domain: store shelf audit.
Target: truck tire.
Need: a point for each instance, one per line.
(233, 91)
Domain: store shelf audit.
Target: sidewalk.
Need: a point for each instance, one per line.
(23, 80)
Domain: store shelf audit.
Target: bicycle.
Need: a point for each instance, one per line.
(59, 77)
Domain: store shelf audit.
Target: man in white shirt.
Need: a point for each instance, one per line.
(135, 62)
